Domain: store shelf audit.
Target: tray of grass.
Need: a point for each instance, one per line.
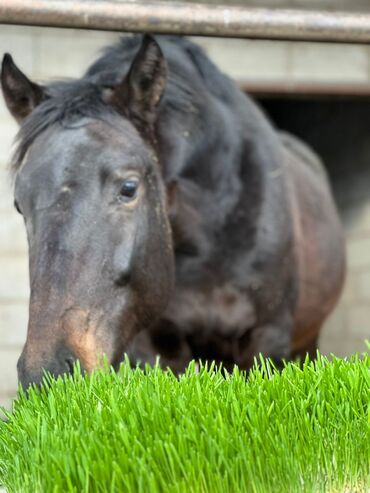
(304, 429)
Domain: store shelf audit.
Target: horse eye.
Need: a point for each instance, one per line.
(129, 188)
(16, 205)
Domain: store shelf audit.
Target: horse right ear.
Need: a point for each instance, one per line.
(21, 95)
(139, 94)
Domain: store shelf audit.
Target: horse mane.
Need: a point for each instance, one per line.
(65, 103)
(68, 101)
(117, 54)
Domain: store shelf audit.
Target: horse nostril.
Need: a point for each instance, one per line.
(123, 278)
(70, 361)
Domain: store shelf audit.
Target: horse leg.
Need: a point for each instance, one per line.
(162, 344)
(270, 340)
(141, 351)
(310, 350)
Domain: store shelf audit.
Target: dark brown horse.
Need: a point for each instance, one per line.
(165, 215)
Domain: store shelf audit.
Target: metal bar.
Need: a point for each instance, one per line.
(306, 89)
(190, 19)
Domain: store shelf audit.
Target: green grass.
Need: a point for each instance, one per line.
(304, 430)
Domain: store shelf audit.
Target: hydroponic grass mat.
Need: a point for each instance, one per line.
(306, 429)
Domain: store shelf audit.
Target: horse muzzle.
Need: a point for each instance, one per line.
(32, 369)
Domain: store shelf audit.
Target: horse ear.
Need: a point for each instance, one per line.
(21, 95)
(139, 95)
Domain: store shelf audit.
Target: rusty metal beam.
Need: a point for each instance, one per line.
(297, 89)
(190, 19)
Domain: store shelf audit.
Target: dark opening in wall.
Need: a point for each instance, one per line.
(338, 129)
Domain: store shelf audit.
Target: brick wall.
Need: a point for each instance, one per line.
(49, 53)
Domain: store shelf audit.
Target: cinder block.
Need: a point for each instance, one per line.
(61, 53)
(8, 371)
(5, 116)
(359, 321)
(6, 402)
(6, 191)
(328, 62)
(13, 238)
(334, 333)
(18, 41)
(338, 339)
(8, 131)
(14, 283)
(13, 324)
(248, 59)
(363, 281)
(358, 253)
(350, 291)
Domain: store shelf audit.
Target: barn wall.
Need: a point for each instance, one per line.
(49, 53)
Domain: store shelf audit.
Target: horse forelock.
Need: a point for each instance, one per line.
(66, 104)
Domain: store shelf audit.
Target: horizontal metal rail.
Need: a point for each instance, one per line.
(190, 19)
(301, 89)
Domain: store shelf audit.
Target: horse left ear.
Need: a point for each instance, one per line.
(140, 93)
(21, 94)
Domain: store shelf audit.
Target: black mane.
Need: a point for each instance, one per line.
(124, 50)
(68, 101)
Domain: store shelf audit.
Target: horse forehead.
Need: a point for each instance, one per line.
(72, 150)
(117, 134)
(57, 145)
(90, 136)
(100, 143)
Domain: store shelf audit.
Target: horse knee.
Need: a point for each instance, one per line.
(309, 349)
(272, 341)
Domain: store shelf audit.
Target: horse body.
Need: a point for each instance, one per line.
(258, 249)
(249, 280)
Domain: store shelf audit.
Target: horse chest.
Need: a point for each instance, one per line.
(221, 311)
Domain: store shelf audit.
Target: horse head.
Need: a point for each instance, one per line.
(89, 187)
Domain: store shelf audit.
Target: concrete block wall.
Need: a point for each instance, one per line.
(349, 326)
(44, 54)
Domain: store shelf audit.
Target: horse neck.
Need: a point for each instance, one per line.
(205, 154)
